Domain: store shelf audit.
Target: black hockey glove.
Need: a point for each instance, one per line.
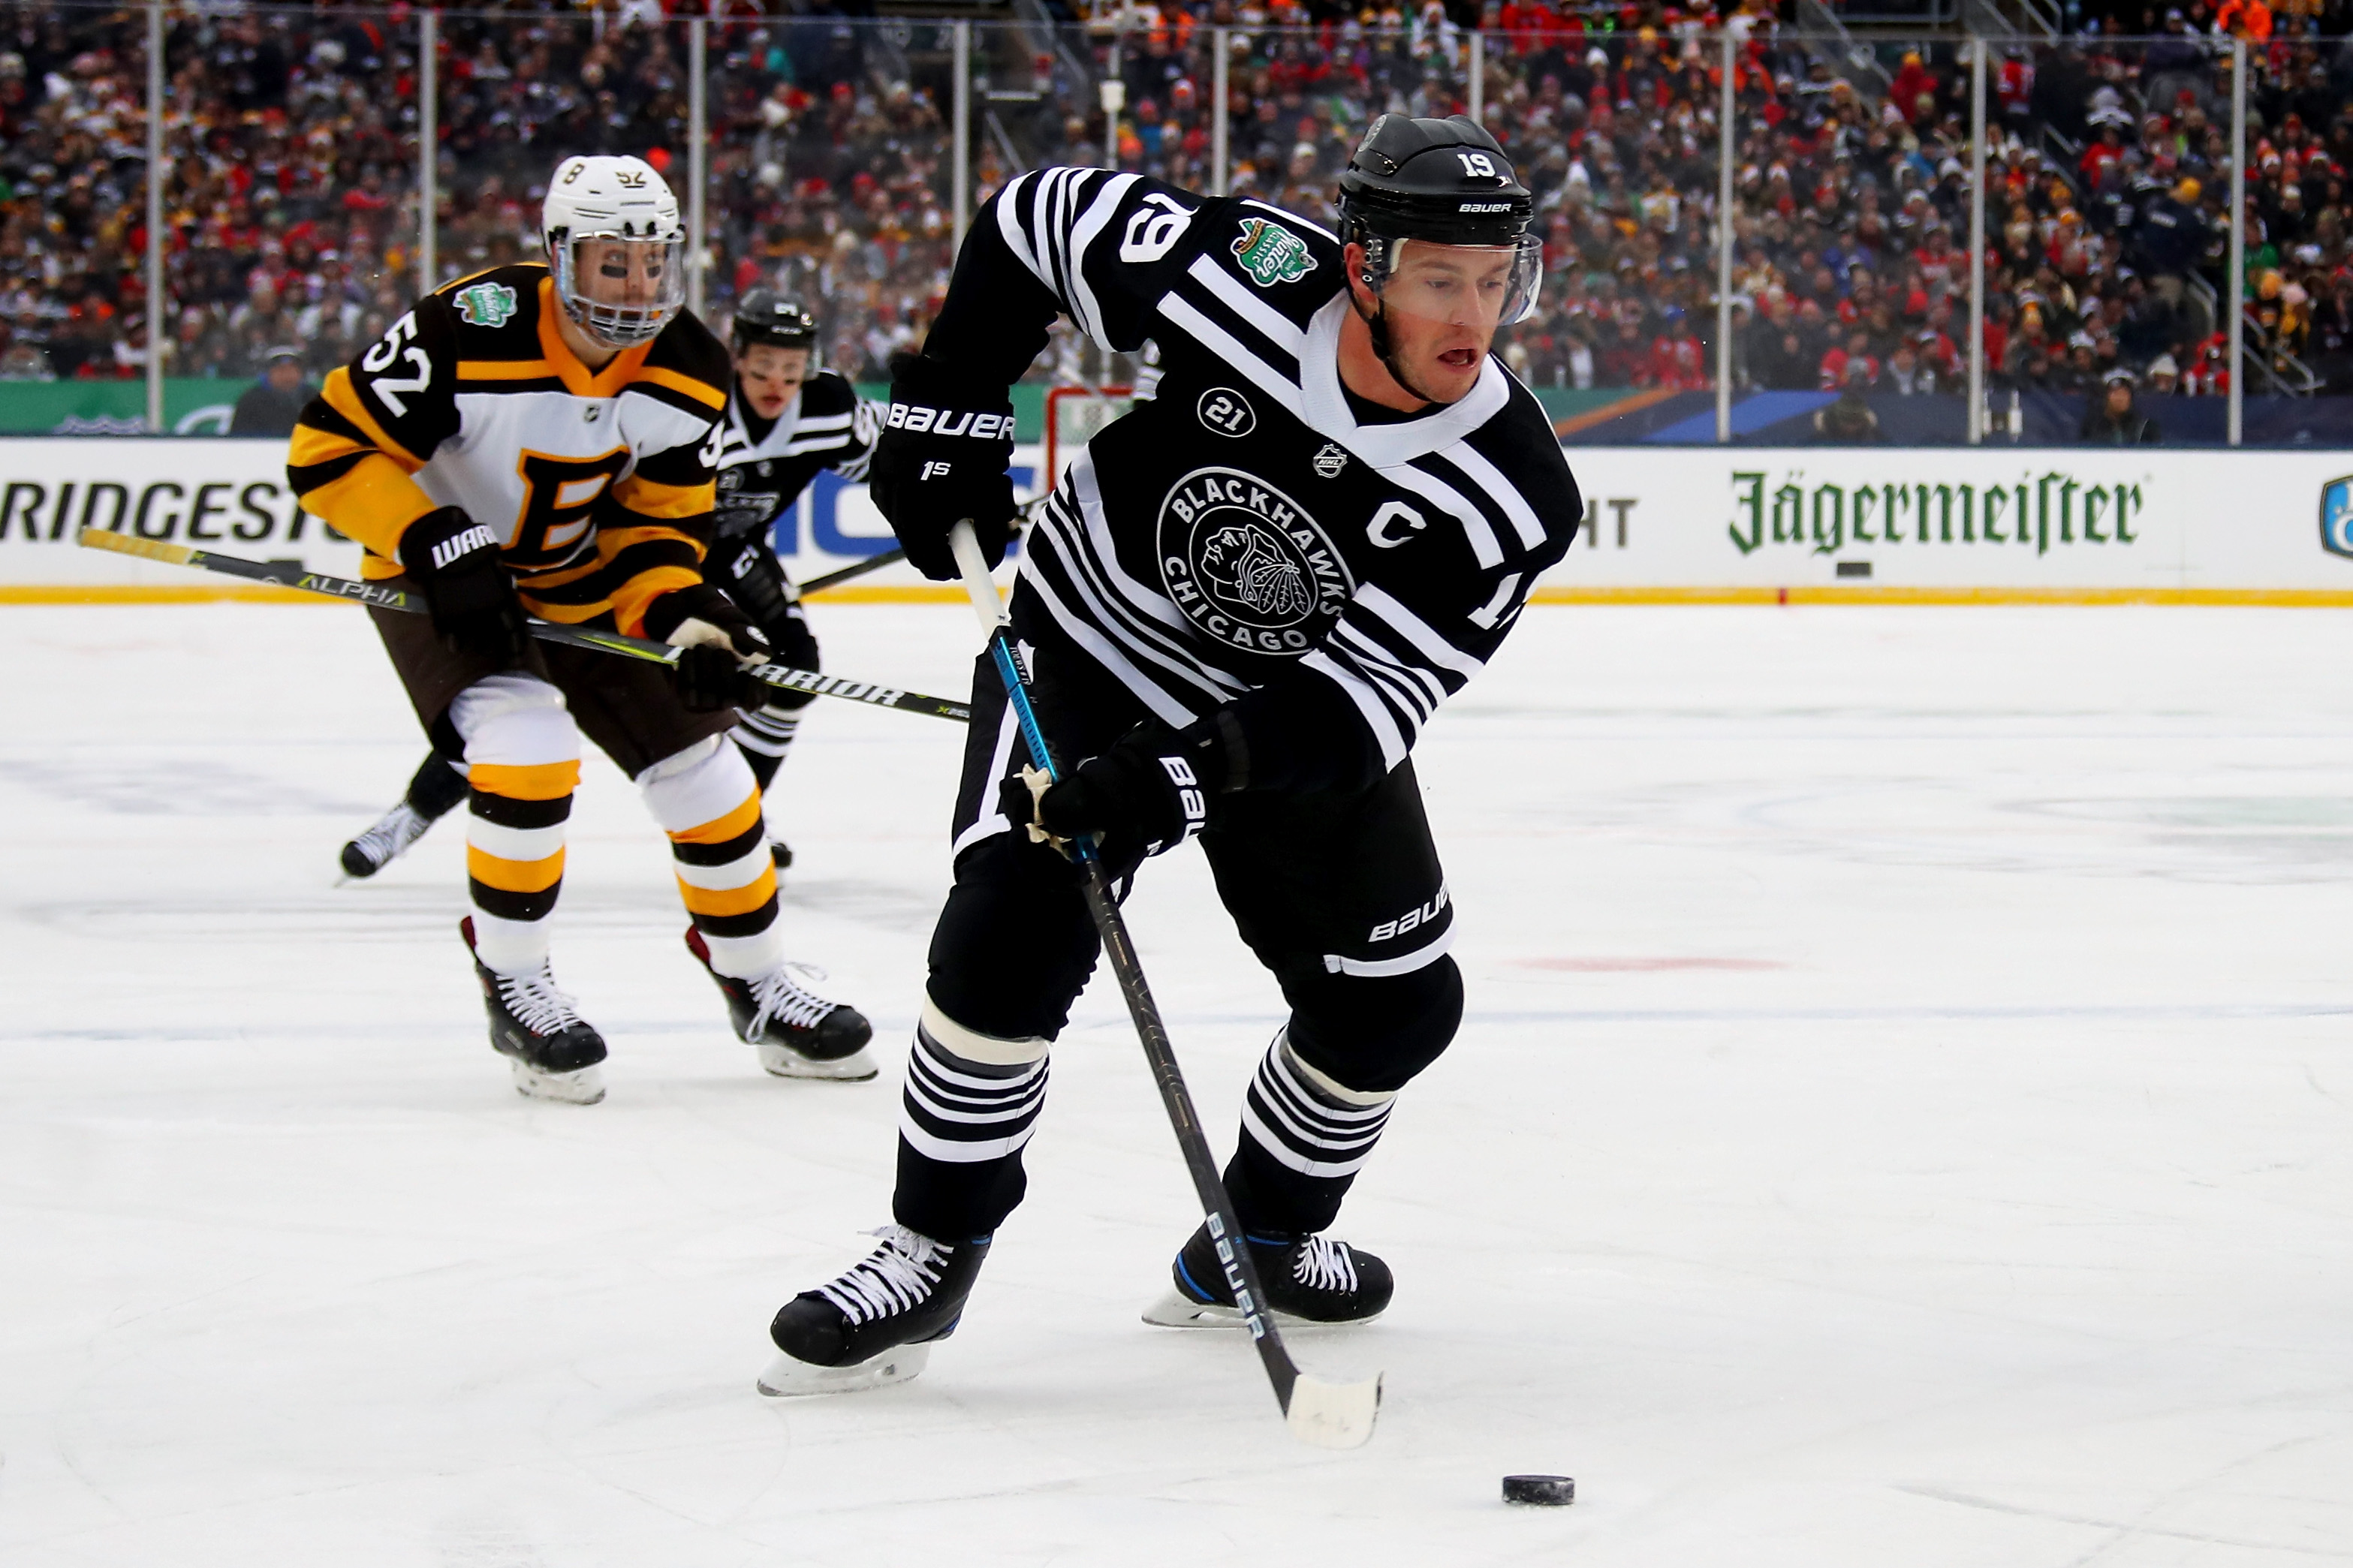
(940, 460)
(718, 643)
(454, 564)
(1148, 794)
(752, 576)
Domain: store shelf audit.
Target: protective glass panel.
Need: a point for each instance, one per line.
(831, 177)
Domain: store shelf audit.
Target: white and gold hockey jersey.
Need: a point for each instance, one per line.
(600, 483)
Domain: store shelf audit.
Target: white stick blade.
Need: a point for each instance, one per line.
(1333, 1414)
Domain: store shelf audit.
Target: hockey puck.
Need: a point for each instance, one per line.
(1541, 1492)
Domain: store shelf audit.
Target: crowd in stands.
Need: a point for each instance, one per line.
(292, 214)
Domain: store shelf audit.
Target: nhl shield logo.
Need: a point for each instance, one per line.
(2336, 516)
(1248, 565)
(1330, 462)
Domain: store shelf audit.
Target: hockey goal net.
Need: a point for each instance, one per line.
(1073, 413)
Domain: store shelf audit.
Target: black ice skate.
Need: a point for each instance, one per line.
(552, 1049)
(797, 1033)
(1307, 1279)
(877, 1323)
(382, 844)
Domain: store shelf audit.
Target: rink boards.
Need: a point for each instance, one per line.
(1998, 524)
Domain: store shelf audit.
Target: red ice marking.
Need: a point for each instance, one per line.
(1643, 966)
(1784, 593)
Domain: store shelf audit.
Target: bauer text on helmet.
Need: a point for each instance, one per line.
(614, 246)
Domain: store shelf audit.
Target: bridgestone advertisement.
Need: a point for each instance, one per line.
(1660, 523)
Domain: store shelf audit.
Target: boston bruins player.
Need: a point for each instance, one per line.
(1243, 602)
(542, 439)
(786, 421)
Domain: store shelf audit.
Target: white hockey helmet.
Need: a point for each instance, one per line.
(608, 198)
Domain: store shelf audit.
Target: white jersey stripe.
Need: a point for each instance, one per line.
(1270, 323)
(1054, 551)
(1486, 548)
(1164, 707)
(1084, 306)
(1221, 342)
(1417, 631)
(1500, 490)
(1009, 224)
(1392, 742)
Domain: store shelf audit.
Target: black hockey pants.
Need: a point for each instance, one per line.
(1339, 895)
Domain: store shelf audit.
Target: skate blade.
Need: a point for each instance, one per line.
(783, 1061)
(582, 1085)
(1174, 1310)
(1325, 1415)
(787, 1378)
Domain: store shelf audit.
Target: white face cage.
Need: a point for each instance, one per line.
(621, 326)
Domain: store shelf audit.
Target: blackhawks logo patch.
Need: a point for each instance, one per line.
(487, 304)
(1272, 253)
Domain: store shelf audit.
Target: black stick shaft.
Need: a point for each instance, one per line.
(856, 569)
(294, 575)
(1208, 1183)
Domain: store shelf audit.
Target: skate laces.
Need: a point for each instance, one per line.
(535, 1002)
(777, 999)
(394, 831)
(1322, 1263)
(899, 1278)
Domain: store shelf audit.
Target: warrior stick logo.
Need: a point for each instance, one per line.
(487, 304)
(1272, 253)
(1247, 564)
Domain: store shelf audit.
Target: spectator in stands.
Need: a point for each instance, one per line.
(2111, 418)
(270, 406)
(1848, 419)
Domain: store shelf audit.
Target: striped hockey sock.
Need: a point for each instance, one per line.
(523, 764)
(1306, 1122)
(706, 800)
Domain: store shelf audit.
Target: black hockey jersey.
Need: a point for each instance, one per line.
(1252, 537)
(824, 427)
(598, 484)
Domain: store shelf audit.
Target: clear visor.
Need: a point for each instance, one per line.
(1479, 286)
(620, 292)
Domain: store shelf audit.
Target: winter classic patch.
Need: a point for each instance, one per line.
(487, 304)
(1272, 253)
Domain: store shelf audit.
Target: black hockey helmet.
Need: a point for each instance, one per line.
(764, 316)
(1447, 181)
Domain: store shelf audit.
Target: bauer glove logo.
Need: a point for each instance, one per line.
(917, 420)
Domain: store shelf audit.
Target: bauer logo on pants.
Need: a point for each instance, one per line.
(1248, 565)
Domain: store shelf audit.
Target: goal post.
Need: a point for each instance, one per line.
(1073, 413)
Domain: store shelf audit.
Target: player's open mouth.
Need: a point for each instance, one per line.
(1459, 359)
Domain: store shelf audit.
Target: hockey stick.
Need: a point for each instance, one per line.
(859, 569)
(1325, 1415)
(295, 576)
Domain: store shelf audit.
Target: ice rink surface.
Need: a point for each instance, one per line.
(1904, 1117)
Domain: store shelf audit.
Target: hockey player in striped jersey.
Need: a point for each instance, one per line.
(786, 422)
(1240, 605)
(541, 440)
